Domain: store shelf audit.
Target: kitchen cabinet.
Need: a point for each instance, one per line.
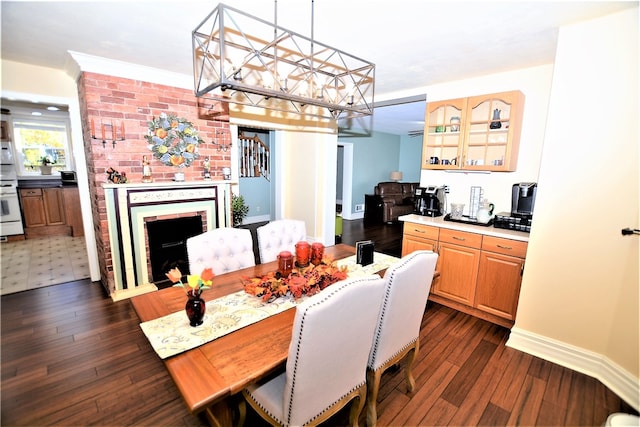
(72, 211)
(441, 140)
(459, 257)
(479, 273)
(419, 237)
(500, 276)
(33, 207)
(475, 133)
(4, 131)
(43, 212)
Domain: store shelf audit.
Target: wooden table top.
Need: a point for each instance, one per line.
(223, 367)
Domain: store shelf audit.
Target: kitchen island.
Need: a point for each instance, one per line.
(479, 268)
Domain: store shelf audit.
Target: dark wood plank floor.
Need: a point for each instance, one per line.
(72, 357)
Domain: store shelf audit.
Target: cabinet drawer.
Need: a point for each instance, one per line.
(499, 245)
(27, 192)
(420, 230)
(463, 238)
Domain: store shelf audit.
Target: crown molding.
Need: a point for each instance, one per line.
(82, 62)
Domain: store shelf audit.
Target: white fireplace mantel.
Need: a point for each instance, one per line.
(129, 204)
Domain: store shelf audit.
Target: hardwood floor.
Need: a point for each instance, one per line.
(71, 356)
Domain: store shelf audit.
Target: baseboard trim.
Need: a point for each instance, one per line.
(616, 378)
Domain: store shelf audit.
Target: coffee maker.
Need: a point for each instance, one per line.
(429, 201)
(523, 197)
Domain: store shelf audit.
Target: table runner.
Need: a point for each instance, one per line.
(171, 334)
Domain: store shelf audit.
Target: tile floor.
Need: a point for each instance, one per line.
(45, 261)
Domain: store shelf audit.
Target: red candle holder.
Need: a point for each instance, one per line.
(317, 252)
(285, 263)
(302, 253)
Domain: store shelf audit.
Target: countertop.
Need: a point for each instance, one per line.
(43, 183)
(487, 231)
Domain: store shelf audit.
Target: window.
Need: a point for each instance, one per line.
(37, 138)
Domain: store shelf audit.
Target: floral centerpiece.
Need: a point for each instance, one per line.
(195, 306)
(172, 140)
(196, 284)
(302, 281)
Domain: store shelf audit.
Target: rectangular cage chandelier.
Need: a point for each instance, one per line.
(239, 58)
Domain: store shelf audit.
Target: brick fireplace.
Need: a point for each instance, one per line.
(129, 208)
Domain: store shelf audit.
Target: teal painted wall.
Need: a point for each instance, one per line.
(410, 158)
(374, 158)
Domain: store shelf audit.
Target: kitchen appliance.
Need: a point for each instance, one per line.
(10, 215)
(68, 177)
(430, 201)
(523, 197)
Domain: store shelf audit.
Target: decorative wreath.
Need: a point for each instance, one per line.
(172, 140)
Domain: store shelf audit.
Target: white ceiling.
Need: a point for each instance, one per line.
(414, 43)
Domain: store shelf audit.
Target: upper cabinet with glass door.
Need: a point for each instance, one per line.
(489, 136)
(443, 136)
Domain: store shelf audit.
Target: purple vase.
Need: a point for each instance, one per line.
(195, 309)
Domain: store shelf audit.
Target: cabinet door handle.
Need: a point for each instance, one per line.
(462, 239)
(505, 247)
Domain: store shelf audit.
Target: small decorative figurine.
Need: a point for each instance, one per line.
(116, 177)
(207, 169)
(146, 170)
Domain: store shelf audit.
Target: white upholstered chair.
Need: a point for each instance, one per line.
(326, 364)
(279, 235)
(407, 286)
(222, 249)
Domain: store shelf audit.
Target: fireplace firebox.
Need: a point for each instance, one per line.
(168, 245)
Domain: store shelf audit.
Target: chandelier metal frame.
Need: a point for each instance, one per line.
(277, 69)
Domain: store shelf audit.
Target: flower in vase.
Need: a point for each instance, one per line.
(195, 284)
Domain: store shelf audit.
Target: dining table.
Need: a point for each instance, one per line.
(210, 376)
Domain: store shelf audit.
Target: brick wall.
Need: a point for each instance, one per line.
(110, 99)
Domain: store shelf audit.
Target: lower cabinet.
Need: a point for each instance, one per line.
(419, 237)
(498, 286)
(73, 211)
(44, 212)
(500, 276)
(459, 255)
(478, 274)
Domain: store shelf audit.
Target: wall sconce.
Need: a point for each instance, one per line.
(396, 176)
(221, 146)
(105, 129)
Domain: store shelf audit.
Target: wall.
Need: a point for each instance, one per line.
(135, 103)
(535, 83)
(374, 158)
(307, 193)
(410, 157)
(580, 286)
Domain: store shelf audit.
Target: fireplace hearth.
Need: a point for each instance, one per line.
(131, 206)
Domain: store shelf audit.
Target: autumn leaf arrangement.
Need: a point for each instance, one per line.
(173, 140)
(195, 283)
(302, 281)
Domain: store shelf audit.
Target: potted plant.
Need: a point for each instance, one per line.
(45, 165)
(238, 209)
